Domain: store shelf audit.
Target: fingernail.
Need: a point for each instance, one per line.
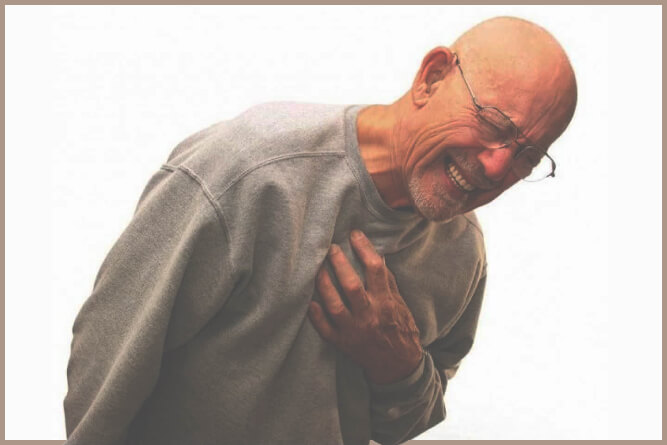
(333, 249)
(356, 234)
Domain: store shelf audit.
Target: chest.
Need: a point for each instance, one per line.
(437, 267)
(436, 280)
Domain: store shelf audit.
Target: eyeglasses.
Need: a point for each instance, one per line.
(530, 162)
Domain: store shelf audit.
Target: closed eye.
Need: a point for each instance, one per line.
(492, 136)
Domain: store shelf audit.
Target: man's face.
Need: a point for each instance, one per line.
(454, 164)
(449, 160)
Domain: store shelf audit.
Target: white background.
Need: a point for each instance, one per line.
(569, 343)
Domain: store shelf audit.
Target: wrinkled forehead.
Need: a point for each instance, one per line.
(521, 69)
(535, 95)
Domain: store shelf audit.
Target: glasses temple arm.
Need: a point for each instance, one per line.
(474, 98)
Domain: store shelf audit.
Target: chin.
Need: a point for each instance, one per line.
(433, 203)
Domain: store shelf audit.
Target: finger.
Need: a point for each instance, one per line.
(348, 279)
(320, 322)
(391, 278)
(331, 299)
(372, 261)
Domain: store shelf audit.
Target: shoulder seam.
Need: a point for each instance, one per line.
(277, 159)
(209, 196)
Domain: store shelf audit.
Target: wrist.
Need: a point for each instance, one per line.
(386, 375)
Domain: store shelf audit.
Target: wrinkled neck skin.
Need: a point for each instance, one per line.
(378, 130)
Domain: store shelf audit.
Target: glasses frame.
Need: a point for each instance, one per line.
(522, 147)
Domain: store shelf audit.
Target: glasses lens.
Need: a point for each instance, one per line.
(533, 165)
(496, 127)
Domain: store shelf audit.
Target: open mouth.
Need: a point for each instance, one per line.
(456, 177)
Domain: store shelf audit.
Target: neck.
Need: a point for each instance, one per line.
(376, 129)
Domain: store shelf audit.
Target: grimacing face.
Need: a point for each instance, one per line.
(454, 164)
(449, 159)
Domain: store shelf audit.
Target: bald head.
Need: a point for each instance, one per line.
(432, 151)
(521, 68)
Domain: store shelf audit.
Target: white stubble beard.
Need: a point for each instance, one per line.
(434, 204)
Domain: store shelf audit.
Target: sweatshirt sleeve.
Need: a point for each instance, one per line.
(402, 410)
(163, 279)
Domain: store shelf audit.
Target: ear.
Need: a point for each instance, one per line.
(435, 66)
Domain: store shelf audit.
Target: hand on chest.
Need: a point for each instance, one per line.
(435, 282)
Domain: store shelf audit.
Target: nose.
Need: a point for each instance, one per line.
(496, 162)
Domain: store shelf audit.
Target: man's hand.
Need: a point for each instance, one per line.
(378, 331)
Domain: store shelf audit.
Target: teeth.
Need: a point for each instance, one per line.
(458, 178)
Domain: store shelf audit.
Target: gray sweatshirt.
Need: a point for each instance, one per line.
(196, 331)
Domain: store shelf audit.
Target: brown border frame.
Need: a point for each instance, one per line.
(2, 162)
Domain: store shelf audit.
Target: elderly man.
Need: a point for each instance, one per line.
(314, 274)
